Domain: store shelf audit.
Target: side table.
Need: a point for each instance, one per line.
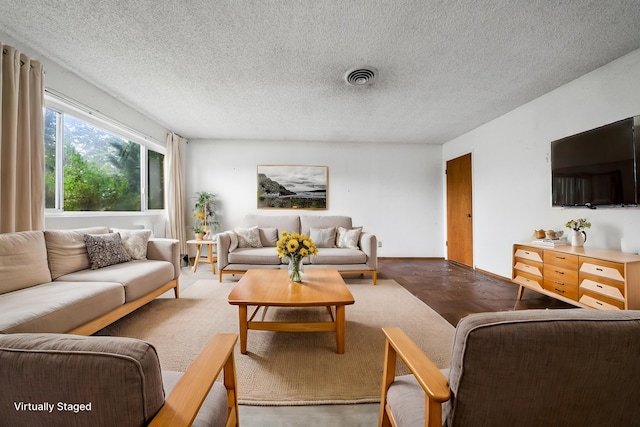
(211, 259)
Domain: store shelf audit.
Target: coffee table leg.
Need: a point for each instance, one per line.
(242, 321)
(340, 327)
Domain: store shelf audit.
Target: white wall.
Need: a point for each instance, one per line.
(511, 165)
(393, 190)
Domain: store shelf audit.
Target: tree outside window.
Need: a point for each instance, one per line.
(100, 170)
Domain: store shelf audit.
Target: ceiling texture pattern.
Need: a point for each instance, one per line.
(274, 70)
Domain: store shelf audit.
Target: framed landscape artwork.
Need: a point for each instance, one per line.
(292, 187)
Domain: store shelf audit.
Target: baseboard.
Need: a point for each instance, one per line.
(488, 273)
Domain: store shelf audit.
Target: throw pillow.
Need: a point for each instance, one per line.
(135, 242)
(268, 236)
(66, 250)
(248, 237)
(105, 250)
(348, 238)
(323, 237)
(234, 241)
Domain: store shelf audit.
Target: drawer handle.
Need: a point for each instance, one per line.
(599, 269)
(599, 303)
(559, 290)
(560, 257)
(599, 286)
(559, 272)
(559, 283)
(528, 253)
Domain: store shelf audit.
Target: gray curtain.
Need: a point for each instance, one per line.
(21, 142)
(175, 188)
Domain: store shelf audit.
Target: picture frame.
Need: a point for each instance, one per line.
(292, 187)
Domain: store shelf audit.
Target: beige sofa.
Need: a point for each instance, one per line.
(47, 283)
(234, 257)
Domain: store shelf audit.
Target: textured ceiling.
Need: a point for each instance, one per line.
(274, 70)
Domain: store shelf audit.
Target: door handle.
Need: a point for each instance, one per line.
(468, 215)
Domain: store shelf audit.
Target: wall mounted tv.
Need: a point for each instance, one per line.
(598, 167)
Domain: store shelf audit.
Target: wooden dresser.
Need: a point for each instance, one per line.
(589, 278)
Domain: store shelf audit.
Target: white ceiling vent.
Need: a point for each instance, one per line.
(361, 76)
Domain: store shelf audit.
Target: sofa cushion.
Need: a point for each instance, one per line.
(67, 251)
(406, 401)
(248, 237)
(138, 277)
(268, 236)
(323, 221)
(57, 306)
(135, 242)
(105, 250)
(119, 377)
(323, 237)
(348, 238)
(213, 412)
(23, 260)
(337, 256)
(258, 256)
(290, 223)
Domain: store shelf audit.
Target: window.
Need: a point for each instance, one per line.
(90, 168)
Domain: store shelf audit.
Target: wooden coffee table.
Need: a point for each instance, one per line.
(272, 288)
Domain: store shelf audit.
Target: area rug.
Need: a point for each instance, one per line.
(286, 368)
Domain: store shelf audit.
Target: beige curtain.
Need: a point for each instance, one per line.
(21, 142)
(175, 188)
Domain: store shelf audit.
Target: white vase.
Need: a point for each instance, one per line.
(578, 238)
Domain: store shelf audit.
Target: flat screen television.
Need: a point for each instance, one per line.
(598, 167)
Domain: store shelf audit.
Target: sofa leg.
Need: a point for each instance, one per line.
(176, 290)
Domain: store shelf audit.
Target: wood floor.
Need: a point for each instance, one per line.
(455, 291)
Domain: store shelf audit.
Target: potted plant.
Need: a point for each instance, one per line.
(204, 210)
(577, 226)
(199, 231)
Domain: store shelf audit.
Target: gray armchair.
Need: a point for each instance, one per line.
(70, 380)
(571, 367)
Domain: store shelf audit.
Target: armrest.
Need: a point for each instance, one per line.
(165, 250)
(224, 243)
(182, 405)
(434, 384)
(369, 245)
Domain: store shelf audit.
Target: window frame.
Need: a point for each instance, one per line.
(94, 118)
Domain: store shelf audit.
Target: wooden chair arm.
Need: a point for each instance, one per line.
(428, 375)
(183, 403)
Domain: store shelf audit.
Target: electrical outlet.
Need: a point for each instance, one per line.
(379, 243)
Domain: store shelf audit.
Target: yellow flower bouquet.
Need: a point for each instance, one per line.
(295, 246)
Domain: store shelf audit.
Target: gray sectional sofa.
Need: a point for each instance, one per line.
(238, 253)
(49, 283)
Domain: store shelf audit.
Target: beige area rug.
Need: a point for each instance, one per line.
(286, 368)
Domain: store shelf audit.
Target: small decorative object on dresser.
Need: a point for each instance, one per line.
(577, 226)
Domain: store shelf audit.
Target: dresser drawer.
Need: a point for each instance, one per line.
(560, 275)
(567, 291)
(597, 298)
(524, 252)
(610, 288)
(528, 267)
(597, 304)
(561, 260)
(605, 269)
(528, 280)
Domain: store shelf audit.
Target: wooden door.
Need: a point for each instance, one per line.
(459, 211)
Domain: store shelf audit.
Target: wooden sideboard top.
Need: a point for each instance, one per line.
(603, 254)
